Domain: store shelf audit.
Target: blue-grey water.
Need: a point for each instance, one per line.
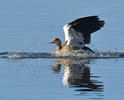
(28, 26)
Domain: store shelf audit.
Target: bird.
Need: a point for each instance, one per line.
(78, 33)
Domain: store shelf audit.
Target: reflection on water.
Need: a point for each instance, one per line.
(72, 79)
(77, 75)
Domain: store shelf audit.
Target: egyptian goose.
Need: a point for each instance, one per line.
(77, 34)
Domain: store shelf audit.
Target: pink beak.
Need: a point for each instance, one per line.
(52, 42)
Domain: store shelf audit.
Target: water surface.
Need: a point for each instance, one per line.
(28, 26)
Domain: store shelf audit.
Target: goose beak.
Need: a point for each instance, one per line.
(52, 42)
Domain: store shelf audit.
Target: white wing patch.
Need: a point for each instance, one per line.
(74, 38)
(66, 31)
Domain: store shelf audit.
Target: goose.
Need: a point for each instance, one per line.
(78, 33)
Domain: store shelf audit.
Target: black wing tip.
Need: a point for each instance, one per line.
(101, 23)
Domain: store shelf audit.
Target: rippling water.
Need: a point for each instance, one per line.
(26, 27)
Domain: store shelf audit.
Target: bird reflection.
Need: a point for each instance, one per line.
(77, 75)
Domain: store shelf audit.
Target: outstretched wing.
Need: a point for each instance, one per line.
(78, 31)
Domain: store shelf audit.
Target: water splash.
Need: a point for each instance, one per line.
(76, 54)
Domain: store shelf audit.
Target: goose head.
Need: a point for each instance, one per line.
(57, 41)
